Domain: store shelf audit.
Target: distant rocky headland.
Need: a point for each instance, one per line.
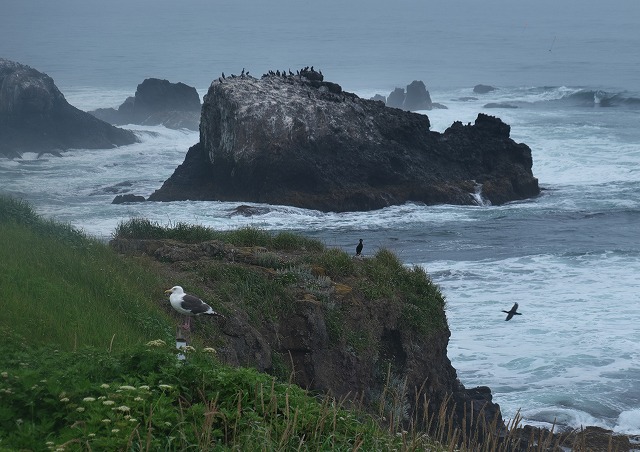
(35, 117)
(296, 139)
(157, 102)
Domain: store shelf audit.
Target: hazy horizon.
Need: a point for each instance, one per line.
(359, 44)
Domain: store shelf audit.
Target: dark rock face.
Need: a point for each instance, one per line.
(157, 102)
(35, 116)
(284, 141)
(396, 98)
(418, 97)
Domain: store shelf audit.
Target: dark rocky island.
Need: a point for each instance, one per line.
(416, 97)
(157, 102)
(301, 141)
(35, 117)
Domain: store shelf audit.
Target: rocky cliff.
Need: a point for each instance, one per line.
(302, 141)
(366, 330)
(35, 117)
(157, 102)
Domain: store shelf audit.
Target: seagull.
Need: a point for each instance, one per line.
(512, 312)
(188, 305)
(359, 248)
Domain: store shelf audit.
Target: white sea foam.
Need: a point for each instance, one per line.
(576, 341)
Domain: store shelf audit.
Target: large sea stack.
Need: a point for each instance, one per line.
(35, 117)
(300, 141)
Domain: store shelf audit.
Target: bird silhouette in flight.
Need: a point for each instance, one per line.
(512, 312)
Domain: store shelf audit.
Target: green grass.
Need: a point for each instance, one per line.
(145, 399)
(140, 228)
(62, 287)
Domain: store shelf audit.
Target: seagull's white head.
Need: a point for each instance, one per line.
(175, 289)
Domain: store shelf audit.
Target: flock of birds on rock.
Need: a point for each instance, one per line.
(304, 72)
(191, 306)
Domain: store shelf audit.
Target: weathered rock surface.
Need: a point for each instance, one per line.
(35, 117)
(286, 140)
(157, 102)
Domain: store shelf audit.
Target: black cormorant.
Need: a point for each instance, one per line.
(359, 248)
(512, 312)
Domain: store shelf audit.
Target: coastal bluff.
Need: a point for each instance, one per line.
(301, 141)
(36, 117)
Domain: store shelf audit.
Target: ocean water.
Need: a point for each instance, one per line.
(570, 258)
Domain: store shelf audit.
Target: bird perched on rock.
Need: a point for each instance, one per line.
(359, 248)
(512, 312)
(188, 305)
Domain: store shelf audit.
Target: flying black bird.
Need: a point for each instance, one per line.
(512, 312)
(359, 248)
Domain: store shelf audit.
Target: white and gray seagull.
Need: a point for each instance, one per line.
(188, 305)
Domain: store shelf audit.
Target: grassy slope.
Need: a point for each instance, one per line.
(61, 287)
(75, 320)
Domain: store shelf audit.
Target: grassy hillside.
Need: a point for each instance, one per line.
(87, 360)
(61, 287)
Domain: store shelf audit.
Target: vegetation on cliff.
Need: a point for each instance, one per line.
(84, 363)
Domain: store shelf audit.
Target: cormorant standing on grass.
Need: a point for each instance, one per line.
(359, 248)
(512, 312)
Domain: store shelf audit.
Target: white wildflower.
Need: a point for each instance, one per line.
(128, 388)
(104, 386)
(64, 399)
(5, 374)
(80, 409)
(209, 350)
(144, 387)
(156, 343)
(108, 402)
(89, 399)
(164, 386)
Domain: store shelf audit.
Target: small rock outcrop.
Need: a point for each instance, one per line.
(291, 141)
(127, 199)
(35, 117)
(483, 89)
(157, 102)
(416, 97)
